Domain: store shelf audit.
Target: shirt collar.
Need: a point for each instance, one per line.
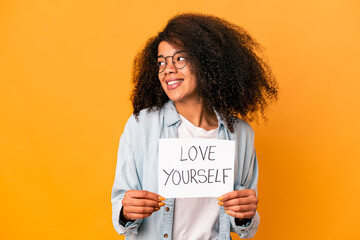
(171, 116)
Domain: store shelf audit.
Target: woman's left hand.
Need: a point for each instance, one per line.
(240, 204)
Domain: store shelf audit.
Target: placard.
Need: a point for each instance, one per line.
(195, 167)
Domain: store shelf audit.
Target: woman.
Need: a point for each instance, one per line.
(193, 79)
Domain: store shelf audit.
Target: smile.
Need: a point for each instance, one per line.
(174, 82)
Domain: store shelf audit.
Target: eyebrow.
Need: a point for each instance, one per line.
(170, 55)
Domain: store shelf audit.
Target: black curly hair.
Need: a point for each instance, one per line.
(231, 77)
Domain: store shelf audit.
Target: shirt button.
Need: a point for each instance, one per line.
(165, 235)
(167, 209)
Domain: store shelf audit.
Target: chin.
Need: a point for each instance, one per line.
(175, 99)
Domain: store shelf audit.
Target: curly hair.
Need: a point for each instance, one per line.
(231, 77)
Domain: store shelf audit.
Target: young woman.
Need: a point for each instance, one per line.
(194, 79)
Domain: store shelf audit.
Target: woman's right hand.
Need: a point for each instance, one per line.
(140, 204)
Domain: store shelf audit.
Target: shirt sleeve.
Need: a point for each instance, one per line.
(248, 181)
(248, 230)
(126, 178)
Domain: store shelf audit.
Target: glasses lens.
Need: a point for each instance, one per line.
(161, 63)
(179, 60)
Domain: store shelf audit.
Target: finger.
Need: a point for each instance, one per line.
(144, 194)
(133, 213)
(241, 215)
(237, 194)
(242, 208)
(237, 201)
(134, 216)
(139, 210)
(240, 201)
(135, 202)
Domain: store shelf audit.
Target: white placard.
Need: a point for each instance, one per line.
(195, 167)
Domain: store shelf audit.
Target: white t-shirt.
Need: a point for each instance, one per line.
(195, 218)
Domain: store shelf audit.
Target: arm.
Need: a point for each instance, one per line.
(126, 178)
(241, 204)
(247, 193)
(129, 203)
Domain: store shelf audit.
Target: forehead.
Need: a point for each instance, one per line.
(167, 49)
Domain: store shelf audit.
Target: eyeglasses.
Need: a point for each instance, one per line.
(178, 61)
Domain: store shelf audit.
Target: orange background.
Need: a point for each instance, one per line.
(64, 98)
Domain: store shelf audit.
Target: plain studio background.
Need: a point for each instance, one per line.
(65, 70)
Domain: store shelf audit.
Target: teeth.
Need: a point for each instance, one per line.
(173, 82)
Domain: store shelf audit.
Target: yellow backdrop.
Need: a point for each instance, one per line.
(64, 98)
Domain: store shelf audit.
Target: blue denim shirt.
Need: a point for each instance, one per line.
(137, 168)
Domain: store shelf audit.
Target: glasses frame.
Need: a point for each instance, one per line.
(172, 60)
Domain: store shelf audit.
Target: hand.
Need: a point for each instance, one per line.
(240, 204)
(140, 204)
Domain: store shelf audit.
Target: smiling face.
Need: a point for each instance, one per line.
(179, 84)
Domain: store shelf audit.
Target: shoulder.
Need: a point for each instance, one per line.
(243, 130)
(146, 118)
(165, 115)
(145, 125)
(151, 121)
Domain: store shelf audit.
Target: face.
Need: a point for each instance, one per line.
(178, 84)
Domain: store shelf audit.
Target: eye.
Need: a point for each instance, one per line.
(180, 58)
(161, 63)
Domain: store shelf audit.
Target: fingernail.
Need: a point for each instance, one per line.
(227, 212)
(161, 198)
(157, 209)
(161, 204)
(220, 198)
(221, 203)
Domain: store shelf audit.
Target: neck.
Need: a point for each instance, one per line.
(195, 112)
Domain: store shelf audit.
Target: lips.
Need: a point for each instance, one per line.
(173, 83)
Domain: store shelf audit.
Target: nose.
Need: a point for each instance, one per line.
(170, 68)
